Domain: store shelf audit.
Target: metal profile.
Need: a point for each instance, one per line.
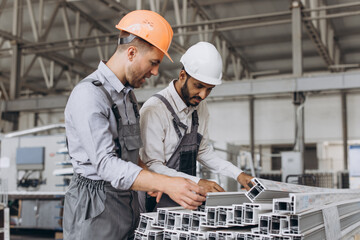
(222, 214)
(263, 190)
(211, 235)
(186, 220)
(223, 235)
(301, 223)
(146, 221)
(227, 234)
(311, 224)
(283, 205)
(346, 221)
(174, 234)
(264, 223)
(211, 216)
(197, 235)
(214, 199)
(169, 234)
(225, 198)
(283, 238)
(153, 234)
(279, 224)
(265, 237)
(197, 220)
(247, 236)
(178, 223)
(174, 219)
(162, 214)
(235, 216)
(251, 212)
(300, 202)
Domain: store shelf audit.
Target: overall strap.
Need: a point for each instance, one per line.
(176, 119)
(195, 121)
(114, 107)
(134, 103)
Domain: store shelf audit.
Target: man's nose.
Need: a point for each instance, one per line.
(203, 94)
(155, 70)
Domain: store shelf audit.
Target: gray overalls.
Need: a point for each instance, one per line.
(93, 209)
(184, 157)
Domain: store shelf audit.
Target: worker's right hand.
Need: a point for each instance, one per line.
(210, 186)
(185, 192)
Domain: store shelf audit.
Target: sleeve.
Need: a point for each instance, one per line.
(207, 155)
(154, 126)
(90, 119)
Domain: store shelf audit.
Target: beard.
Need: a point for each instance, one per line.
(186, 95)
(135, 80)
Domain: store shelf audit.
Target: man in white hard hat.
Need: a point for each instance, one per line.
(174, 124)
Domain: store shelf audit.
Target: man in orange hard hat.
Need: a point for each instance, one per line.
(102, 128)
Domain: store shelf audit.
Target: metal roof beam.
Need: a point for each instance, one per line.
(274, 86)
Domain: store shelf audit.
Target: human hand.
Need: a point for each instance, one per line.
(158, 195)
(185, 192)
(210, 186)
(244, 180)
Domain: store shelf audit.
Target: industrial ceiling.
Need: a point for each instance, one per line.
(47, 46)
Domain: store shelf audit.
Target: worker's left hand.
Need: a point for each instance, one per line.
(210, 186)
(244, 180)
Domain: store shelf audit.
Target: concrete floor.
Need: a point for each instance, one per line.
(30, 234)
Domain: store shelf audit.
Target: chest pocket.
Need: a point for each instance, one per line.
(131, 136)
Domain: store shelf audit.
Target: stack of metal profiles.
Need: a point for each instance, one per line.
(268, 211)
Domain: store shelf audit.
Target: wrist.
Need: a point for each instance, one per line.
(160, 181)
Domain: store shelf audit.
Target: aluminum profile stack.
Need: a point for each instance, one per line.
(270, 210)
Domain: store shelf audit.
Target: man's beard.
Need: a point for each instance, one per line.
(186, 95)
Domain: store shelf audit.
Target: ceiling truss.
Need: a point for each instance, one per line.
(65, 60)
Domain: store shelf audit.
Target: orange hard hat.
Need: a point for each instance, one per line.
(149, 26)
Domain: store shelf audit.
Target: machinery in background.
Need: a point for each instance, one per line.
(354, 166)
(36, 189)
(29, 160)
(291, 165)
(30, 165)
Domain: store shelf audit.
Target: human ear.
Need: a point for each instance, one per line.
(131, 53)
(182, 76)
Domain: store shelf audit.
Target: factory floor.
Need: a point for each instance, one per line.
(30, 234)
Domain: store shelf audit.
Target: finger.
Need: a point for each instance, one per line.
(247, 187)
(186, 206)
(191, 202)
(219, 188)
(194, 196)
(197, 189)
(152, 194)
(158, 197)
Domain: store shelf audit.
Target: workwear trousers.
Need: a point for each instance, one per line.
(95, 210)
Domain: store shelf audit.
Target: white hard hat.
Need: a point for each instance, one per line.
(203, 62)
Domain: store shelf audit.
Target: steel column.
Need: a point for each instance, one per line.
(296, 39)
(344, 127)
(252, 128)
(298, 101)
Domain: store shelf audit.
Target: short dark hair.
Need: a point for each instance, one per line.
(187, 75)
(136, 42)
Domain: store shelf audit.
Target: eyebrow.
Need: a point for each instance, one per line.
(203, 86)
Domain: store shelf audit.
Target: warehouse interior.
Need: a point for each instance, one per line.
(286, 110)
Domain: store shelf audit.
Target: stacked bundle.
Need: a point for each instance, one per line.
(269, 210)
